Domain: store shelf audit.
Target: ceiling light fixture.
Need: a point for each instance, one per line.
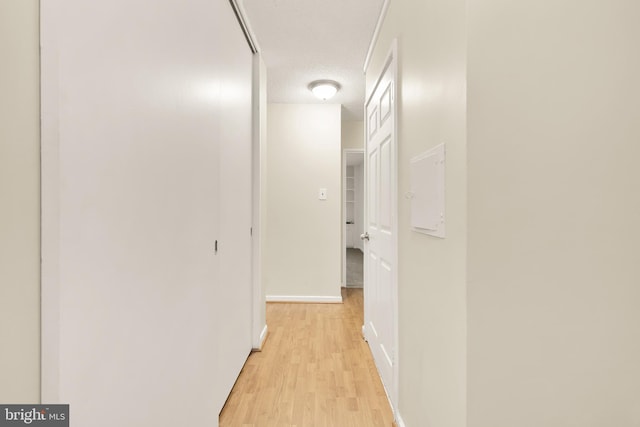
(324, 89)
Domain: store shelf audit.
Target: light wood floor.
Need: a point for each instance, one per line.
(315, 370)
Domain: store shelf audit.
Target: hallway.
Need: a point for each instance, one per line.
(355, 267)
(315, 370)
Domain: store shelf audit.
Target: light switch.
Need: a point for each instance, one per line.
(322, 194)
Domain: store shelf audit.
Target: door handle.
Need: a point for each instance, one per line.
(364, 236)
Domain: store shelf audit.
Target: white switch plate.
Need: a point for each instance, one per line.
(322, 194)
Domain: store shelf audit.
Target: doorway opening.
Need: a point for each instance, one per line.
(353, 218)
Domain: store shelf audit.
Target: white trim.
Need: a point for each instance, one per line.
(376, 34)
(263, 336)
(305, 299)
(399, 420)
(246, 24)
(395, 392)
(391, 62)
(344, 218)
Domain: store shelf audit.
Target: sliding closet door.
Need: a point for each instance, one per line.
(146, 132)
(234, 250)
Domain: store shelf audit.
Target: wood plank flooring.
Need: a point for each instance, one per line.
(315, 370)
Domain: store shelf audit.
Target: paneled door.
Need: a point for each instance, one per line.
(380, 232)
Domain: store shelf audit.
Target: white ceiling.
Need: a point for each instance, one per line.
(306, 40)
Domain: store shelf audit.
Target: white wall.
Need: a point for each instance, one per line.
(432, 271)
(352, 134)
(303, 247)
(552, 217)
(19, 203)
(147, 134)
(554, 209)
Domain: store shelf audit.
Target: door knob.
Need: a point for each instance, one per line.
(365, 236)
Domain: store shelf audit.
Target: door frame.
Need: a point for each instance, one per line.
(345, 153)
(390, 63)
(258, 145)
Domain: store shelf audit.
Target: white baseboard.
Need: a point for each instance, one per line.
(263, 336)
(304, 299)
(399, 420)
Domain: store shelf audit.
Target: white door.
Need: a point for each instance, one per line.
(234, 315)
(141, 174)
(380, 230)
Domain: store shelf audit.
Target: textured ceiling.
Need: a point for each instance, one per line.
(306, 40)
